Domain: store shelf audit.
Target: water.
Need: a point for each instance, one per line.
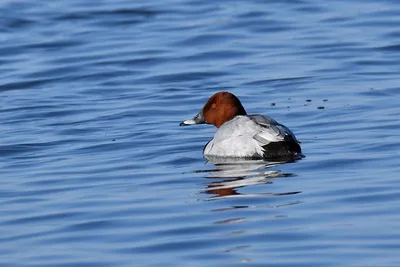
(96, 172)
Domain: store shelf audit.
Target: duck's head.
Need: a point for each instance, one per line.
(220, 108)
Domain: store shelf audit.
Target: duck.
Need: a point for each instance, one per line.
(240, 135)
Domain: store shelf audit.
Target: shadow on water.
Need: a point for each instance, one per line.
(230, 174)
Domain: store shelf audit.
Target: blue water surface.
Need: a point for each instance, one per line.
(95, 170)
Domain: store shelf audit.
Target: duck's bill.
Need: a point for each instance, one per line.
(198, 119)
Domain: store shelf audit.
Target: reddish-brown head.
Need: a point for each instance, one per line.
(221, 107)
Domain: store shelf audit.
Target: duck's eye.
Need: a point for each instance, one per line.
(213, 105)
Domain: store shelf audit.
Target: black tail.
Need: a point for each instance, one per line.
(282, 149)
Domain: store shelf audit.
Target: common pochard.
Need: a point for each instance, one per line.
(242, 135)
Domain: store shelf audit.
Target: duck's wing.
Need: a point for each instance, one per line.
(271, 131)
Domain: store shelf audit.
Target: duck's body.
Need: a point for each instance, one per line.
(252, 136)
(242, 135)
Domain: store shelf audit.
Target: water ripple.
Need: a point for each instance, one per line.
(97, 172)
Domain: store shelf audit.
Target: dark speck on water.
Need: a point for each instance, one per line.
(95, 170)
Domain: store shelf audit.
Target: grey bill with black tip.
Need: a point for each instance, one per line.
(198, 119)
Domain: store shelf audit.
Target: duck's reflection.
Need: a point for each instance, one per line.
(242, 173)
(246, 202)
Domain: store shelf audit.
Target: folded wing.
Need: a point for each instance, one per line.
(275, 138)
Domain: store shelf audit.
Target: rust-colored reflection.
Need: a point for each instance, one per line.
(238, 173)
